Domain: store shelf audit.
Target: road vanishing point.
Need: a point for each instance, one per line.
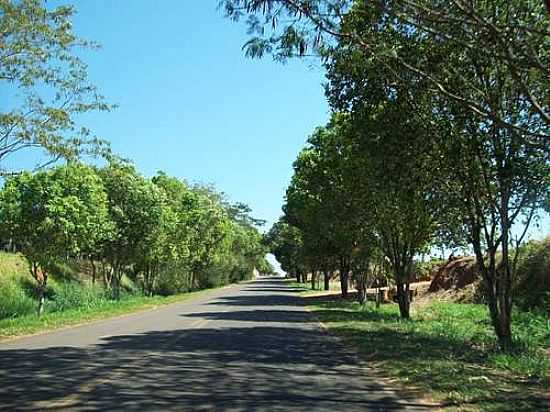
(247, 347)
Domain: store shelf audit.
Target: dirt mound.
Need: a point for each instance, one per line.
(456, 273)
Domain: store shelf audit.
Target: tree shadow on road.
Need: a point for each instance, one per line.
(257, 300)
(241, 369)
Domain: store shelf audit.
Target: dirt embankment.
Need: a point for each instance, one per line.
(457, 273)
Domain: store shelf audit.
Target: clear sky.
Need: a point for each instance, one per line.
(191, 104)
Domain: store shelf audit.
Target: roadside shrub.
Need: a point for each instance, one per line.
(533, 276)
(214, 276)
(14, 301)
(71, 295)
(172, 280)
(423, 270)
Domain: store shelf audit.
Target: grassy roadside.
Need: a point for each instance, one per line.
(31, 324)
(447, 351)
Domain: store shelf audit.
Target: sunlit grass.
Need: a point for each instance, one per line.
(449, 351)
(30, 324)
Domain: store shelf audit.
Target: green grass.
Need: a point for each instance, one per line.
(29, 324)
(71, 299)
(448, 351)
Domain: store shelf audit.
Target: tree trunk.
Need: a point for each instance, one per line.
(504, 276)
(326, 274)
(116, 281)
(314, 279)
(344, 275)
(107, 275)
(94, 270)
(496, 293)
(41, 278)
(42, 294)
(361, 292)
(298, 277)
(403, 299)
(41, 301)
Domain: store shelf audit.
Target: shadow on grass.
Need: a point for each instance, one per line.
(441, 361)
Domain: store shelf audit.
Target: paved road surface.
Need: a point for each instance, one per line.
(249, 347)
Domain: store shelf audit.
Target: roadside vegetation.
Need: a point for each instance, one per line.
(89, 240)
(71, 298)
(448, 352)
(438, 140)
(438, 136)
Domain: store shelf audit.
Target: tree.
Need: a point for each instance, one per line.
(54, 214)
(285, 242)
(489, 172)
(364, 184)
(209, 226)
(404, 197)
(47, 82)
(322, 201)
(304, 208)
(176, 235)
(481, 69)
(431, 40)
(136, 209)
(500, 181)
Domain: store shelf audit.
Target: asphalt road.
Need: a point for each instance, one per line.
(249, 347)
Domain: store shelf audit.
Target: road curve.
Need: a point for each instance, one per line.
(249, 347)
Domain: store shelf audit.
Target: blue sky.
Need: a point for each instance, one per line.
(191, 104)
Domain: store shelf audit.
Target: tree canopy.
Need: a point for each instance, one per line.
(47, 85)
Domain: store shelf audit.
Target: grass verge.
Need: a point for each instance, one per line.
(448, 351)
(30, 324)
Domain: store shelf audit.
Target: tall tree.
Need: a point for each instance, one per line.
(136, 208)
(46, 83)
(490, 176)
(285, 242)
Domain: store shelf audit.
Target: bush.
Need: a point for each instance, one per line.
(14, 301)
(423, 270)
(533, 276)
(173, 279)
(71, 295)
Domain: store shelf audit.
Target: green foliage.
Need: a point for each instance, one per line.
(450, 53)
(74, 295)
(47, 83)
(23, 325)
(422, 270)
(14, 301)
(54, 213)
(449, 114)
(135, 234)
(285, 242)
(532, 288)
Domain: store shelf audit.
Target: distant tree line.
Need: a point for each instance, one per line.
(161, 233)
